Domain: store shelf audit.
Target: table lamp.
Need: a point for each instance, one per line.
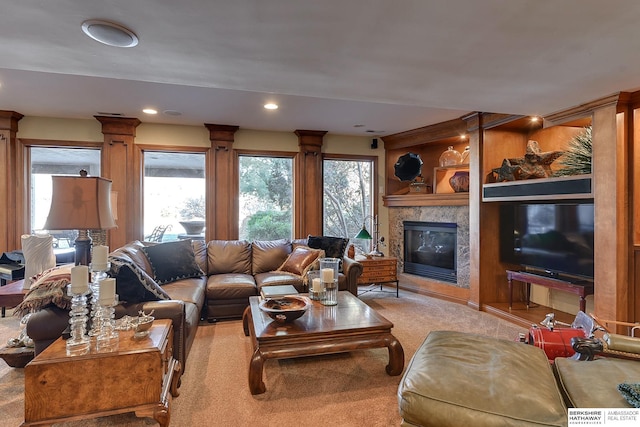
(364, 234)
(80, 203)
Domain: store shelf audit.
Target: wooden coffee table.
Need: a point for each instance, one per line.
(350, 325)
(139, 377)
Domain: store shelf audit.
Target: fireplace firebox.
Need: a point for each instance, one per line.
(430, 250)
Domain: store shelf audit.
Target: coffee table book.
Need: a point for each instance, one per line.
(277, 291)
(141, 377)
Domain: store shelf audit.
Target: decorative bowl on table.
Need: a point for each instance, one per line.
(285, 309)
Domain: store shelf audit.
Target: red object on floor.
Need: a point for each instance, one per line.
(556, 343)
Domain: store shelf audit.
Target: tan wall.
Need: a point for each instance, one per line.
(198, 136)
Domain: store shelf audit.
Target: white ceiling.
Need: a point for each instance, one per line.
(330, 64)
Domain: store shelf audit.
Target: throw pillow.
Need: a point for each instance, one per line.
(301, 260)
(333, 247)
(133, 284)
(48, 287)
(173, 261)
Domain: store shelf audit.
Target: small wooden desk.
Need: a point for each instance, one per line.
(137, 377)
(378, 270)
(581, 289)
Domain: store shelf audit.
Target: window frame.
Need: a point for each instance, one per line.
(208, 177)
(23, 202)
(374, 176)
(262, 153)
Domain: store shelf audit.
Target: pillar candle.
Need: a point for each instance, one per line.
(99, 258)
(79, 279)
(107, 291)
(316, 285)
(327, 275)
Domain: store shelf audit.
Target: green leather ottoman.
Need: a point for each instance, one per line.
(461, 379)
(593, 384)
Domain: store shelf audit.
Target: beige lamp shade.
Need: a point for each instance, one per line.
(80, 203)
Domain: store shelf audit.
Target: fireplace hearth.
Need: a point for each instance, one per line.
(430, 250)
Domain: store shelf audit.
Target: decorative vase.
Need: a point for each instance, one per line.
(450, 157)
(459, 181)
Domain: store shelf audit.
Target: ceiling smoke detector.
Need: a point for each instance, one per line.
(109, 33)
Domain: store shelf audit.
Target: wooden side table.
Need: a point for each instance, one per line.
(379, 270)
(140, 376)
(12, 294)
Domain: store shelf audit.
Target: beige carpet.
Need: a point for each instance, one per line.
(338, 390)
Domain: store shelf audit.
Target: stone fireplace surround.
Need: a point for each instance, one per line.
(454, 214)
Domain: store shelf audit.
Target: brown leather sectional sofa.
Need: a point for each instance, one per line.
(232, 271)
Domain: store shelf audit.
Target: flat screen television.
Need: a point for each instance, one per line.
(554, 238)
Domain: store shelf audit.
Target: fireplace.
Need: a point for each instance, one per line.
(430, 250)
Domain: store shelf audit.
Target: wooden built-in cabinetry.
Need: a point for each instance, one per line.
(494, 137)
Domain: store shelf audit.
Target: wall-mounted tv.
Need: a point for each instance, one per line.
(554, 238)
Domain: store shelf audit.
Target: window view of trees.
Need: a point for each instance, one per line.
(348, 190)
(266, 194)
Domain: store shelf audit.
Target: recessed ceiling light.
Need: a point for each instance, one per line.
(271, 106)
(109, 33)
(150, 111)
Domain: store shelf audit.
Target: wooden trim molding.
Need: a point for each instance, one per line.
(121, 164)
(222, 184)
(436, 132)
(307, 199)
(8, 191)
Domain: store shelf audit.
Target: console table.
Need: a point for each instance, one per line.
(582, 289)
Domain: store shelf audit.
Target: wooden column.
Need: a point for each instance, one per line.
(9, 232)
(611, 187)
(308, 184)
(121, 164)
(222, 185)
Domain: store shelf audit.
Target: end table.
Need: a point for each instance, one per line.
(379, 270)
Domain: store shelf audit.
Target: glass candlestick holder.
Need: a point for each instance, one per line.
(98, 274)
(314, 283)
(78, 343)
(107, 339)
(329, 277)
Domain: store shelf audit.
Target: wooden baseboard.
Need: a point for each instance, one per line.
(420, 285)
(523, 316)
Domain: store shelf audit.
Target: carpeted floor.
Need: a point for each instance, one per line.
(350, 389)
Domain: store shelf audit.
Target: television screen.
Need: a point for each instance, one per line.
(556, 238)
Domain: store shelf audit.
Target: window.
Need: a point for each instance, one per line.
(48, 161)
(348, 197)
(266, 194)
(174, 195)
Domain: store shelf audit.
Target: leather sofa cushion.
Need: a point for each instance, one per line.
(134, 251)
(267, 255)
(230, 286)
(462, 379)
(277, 279)
(200, 253)
(593, 384)
(189, 290)
(229, 256)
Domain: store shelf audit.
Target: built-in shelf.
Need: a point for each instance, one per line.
(569, 187)
(418, 199)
